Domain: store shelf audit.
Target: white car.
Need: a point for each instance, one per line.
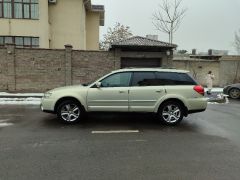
(170, 94)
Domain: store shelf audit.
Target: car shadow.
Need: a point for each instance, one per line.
(120, 121)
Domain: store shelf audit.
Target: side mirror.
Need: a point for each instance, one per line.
(98, 84)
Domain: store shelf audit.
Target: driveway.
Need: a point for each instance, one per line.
(34, 145)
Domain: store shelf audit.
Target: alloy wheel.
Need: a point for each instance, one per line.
(234, 93)
(171, 113)
(70, 112)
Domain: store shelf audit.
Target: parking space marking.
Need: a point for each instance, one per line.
(4, 123)
(137, 140)
(115, 131)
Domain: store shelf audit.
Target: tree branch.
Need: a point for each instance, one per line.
(169, 16)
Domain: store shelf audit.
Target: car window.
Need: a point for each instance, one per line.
(171, 78)
(186, 79)
(144, 79)
(117, 80)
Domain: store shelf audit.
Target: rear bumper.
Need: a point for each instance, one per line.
(197, 104)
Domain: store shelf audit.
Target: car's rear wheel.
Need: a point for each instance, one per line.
(170, 113)
(234, 93)
(69, 111)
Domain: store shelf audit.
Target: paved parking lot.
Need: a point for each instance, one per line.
(34, 145)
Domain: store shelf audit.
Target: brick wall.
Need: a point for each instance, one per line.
(3, 69)
(91, 65)
(226, 70)
(230, 57)
(230, 71)
(38, 70)
(199, 69)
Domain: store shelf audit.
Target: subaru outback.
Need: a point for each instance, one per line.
(169, 93)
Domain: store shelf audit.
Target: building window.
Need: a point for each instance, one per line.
(7, 8)
(1, 41)
(19, 9)
(22, 42)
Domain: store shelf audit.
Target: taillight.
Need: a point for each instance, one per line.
(199, 89)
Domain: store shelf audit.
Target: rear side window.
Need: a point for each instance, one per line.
(186, 79)
(172, 78)
(144, 79)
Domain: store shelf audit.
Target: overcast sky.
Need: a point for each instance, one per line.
(207, 24)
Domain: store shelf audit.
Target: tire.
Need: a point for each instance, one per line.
(170, 113)
(234, 93)
(70, 112)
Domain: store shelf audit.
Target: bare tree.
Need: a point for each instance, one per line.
(182, 51)
(169, 16)
(237, 41)
(236, 44)
(117, 33)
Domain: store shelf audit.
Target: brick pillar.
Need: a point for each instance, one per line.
(117, 58)
(68, 64)
(170, 59)
(11, 68)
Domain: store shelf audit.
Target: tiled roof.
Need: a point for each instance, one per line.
(142, 41)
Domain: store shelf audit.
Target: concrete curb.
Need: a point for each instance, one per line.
(22, 96)
(1, 96)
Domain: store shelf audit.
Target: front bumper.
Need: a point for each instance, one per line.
(47, 105)
(226, 89)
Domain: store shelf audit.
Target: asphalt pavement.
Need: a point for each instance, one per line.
(35, 145)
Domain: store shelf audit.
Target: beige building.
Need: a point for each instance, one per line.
(51, 23)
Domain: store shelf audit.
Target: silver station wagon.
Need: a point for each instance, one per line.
(170, 94)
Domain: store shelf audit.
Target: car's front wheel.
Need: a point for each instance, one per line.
(69, 111)
(170, 113)
(234, 93)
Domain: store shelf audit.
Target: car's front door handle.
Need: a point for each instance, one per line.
(158, 91)
(121, 91)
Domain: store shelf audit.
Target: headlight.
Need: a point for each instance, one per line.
(47, 95)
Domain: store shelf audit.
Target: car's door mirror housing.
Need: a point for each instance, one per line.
(98, 84)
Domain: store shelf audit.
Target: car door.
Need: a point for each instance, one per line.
(144, 92)
(112, 95)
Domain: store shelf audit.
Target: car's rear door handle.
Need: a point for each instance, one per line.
(159, 91)
(121, 91)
